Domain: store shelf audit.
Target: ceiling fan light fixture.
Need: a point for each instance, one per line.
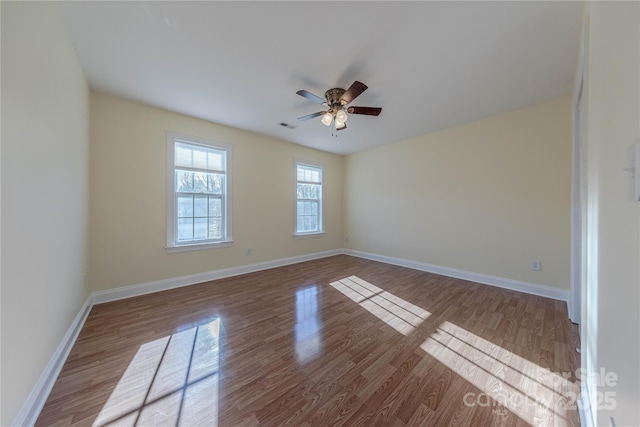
(327, 118)
(338, 100)
(341, 116)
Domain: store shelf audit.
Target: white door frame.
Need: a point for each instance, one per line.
(578, 183)
(580, 301)
(577, 206)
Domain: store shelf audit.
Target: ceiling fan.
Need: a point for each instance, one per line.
(337, 100)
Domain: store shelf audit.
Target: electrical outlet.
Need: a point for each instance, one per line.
(535, 265)
(249, 251)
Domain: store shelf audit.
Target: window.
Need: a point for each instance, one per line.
(197, 196)
(308, 199)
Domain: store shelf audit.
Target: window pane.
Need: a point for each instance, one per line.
(215, 161)
(309, 191)
(185, 206)
(215, 228)
(215, 207)
(182, 155)
(305, 191)
(200, 229)
(215, 183)
(199, 157)
(185, 229)
(200, 182)
(184, 181)
(200, 206)
(308, 173)
(200, 187)
(309, 194)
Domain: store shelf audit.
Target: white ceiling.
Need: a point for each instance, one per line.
(429, 65)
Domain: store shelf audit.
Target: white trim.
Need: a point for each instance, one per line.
(198, 246)
(171, 246)
(579, 299)
(514, 285)
(576, 208)
(578, 176)
(307, 235)
(192, 279)
(584, 407)
(318, 165)
(30, 409)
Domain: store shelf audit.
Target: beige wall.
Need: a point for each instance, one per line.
(45, 125)
(612, 315)
(128, 196)
(486, 197)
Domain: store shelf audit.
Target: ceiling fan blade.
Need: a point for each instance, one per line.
(353, 92)
(311, 116)
(369, 111)
(311, 97)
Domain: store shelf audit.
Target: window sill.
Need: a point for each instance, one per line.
(308, 235)
(198, 246)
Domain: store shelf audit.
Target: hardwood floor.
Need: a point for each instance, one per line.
(336, 341)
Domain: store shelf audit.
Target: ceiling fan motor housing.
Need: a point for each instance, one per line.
(333, 98)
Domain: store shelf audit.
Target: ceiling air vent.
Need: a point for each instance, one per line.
(287, 125)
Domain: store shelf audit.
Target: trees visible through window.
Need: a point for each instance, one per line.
(308, 199)
(199, 199)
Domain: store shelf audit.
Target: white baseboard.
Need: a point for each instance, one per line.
(31, 408)
(514, 285)
(191, 279)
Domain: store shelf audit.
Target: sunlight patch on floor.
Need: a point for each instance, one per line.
(307, 328)
(170, 381)
(535, 394)
(401, 315)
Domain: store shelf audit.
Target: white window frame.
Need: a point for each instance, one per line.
(172, 244)
(321, 230)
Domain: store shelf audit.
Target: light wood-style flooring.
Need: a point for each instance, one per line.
(339, 341)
